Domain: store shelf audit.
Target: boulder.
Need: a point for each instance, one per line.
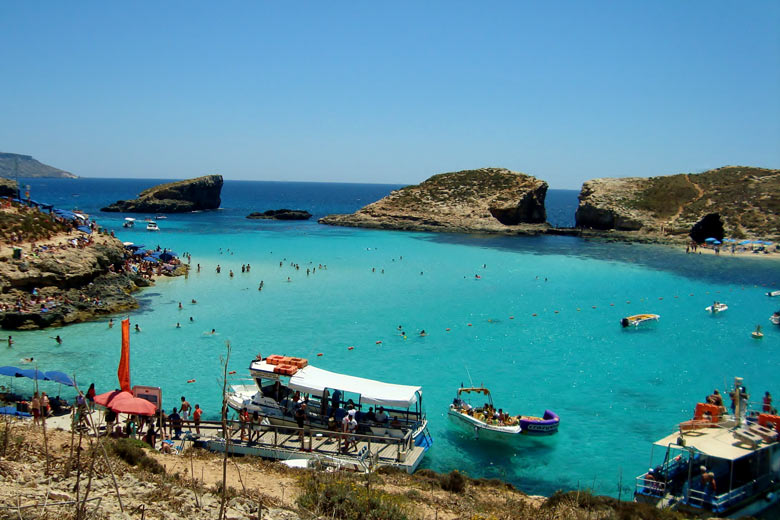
(487, 200)
(281, 214)
(198, 194)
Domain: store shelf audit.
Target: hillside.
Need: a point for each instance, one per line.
(745, 198)
(29, 167)
(487, 200)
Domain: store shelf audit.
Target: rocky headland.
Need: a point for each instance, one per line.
(281, 214)
(14, 164)
(733, 201)
(202, 193)
(487, 200)
(8, 188)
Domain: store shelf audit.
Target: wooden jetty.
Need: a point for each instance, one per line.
(286, 443)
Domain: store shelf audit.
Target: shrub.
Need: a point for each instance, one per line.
(454, 481)
(338, 496)
(131, 451)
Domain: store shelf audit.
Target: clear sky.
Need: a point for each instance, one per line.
(390, 92)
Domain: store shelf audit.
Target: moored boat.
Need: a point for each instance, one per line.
(488, 422)
(775, 318)
(716, 464)
(129, 222)
(638, 319)
(773, 293)
(282, 384)
(152, 226)
(717, 307)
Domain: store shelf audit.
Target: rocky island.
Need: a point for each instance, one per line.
(16, 165)
(735, 201)
(487, 200)
(281, 214)
(197, 194)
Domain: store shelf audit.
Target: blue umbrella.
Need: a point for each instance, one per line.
(744, 242)
(9, 371)
(85, 229)
(166, 257)
(32, 373)
(60, 377)
(149, 259)
(716, 242)
(729, 240)
(711, 239)
(766, 243)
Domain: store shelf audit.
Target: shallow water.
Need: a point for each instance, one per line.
(615, 390)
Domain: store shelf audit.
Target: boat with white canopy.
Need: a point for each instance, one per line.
(283, 383)
(129, 222)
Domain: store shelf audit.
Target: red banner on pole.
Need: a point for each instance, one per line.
(123, 372)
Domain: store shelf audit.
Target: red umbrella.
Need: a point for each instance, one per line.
(109, 397)
(133, 405)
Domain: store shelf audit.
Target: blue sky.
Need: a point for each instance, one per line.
(390, 92)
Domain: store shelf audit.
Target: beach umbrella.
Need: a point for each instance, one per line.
(85, 229)
(767, 243)
(133, 405)
(32, 373)
(744, 242)
(150, 259)
(716, 242)
(729, 240)
(167, 257)
(9, 371)
(109, 397)
(60, 377)
(710, 240)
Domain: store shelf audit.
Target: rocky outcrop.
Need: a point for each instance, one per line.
(742, 198)
(8, 188)
(198, 194)
(14, 165)
(488, 200)
(281, 214)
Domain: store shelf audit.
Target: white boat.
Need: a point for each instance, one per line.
(773, 293)
(129, 222)
(382, 409)
(487, 422)
(775, 318)
(638, 319)
(716, 307)
(152, 226)
(160, 217)
(716, 465)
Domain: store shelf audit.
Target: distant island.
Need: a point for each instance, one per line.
(487, 200)
(14, 165)
(201, 193)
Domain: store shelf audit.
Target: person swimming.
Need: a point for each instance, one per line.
(27, 360)
(178, 325)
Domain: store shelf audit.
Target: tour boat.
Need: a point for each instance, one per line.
(129, 222)
(716, 464)
(282, 383)
(152, 226)
(637, 319)
(773, 293)
(487, 422)
(716, 307)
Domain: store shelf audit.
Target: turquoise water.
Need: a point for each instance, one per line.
(615, 390)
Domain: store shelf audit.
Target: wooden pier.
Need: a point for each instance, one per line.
(286, 443)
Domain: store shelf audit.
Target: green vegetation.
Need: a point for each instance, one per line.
(132, 452)
(28, 225)
(665, 195)
(341, 496)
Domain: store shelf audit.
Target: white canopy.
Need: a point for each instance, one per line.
(715, 442)
(130, 219)
(313, 380)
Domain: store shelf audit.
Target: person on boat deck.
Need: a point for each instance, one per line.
(767, 407)
(370, 415)
(381, 416)
(255, 423)
(332, 425)
(348, 427)
(395, 423)
(715, 398)
(708, 483)
(324, 402)
(243, 419)
(300, 418)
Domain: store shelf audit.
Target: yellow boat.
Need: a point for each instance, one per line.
(636, 319)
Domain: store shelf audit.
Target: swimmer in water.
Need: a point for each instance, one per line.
(194, 301)
(178, 325)
(27, 360)
(191, 318)
(423, 333)
(110, 322)
(10, 341)
(137, 328)
(58, 339)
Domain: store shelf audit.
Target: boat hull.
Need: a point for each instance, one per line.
(525, 427)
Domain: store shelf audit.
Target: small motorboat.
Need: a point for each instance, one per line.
(129, 222)
(638, 319)
(160, 217)
(775, 318)
(716, 307)
(773, 293)
(487, 422)
(152, 226)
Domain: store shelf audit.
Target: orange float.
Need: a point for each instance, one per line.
(190, 380)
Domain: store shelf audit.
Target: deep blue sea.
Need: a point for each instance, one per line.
(540, 326)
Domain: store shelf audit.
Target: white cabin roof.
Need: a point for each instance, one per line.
(313, 380)
(714, 442)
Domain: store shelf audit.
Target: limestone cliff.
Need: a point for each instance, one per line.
(8, 188)
(488, 200)
(197, 194)
(743, 199)
(14, 165)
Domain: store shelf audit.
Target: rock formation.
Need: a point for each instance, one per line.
(8, 188)
(488, 200)
(197, 194)
(14, 165)
(281, 214)
(744, 198)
